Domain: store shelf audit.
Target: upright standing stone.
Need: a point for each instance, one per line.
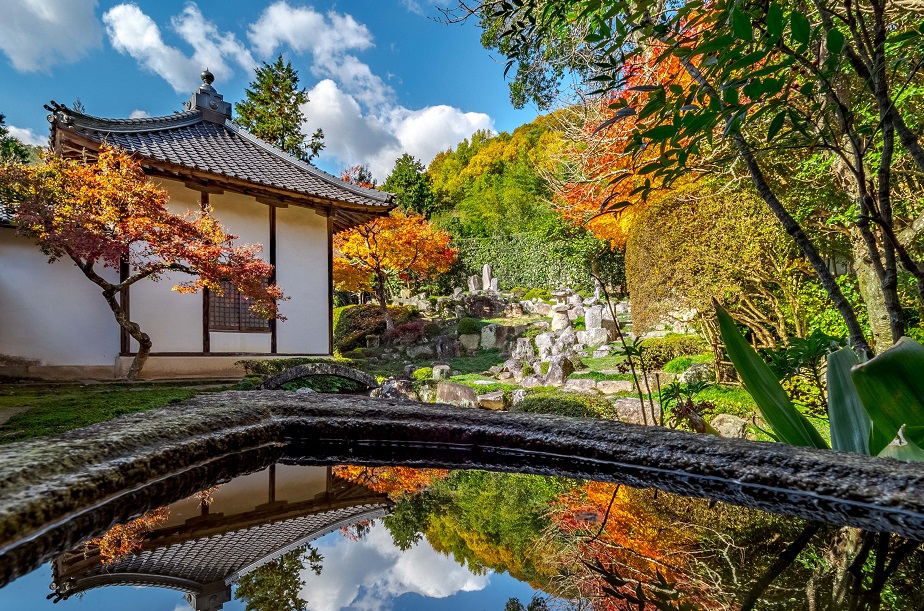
(593, 317)
(560, 368)
(495, 287)
(457, 291)
(486, 277)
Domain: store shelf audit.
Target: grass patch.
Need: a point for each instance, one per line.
(554, 401)
(471, 378)
(599, 377)
(55, 409)
(682, 363)
(604, 362)
(476, 363)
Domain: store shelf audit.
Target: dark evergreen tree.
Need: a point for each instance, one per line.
(276, 586)
(10, 147)
(411, 185)
(272, 110)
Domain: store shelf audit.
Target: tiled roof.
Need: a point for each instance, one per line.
(188, 139)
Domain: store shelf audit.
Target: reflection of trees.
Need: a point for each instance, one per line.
(277, 585)
(124, 539)
(394, 481)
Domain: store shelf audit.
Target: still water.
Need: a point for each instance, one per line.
(326, 538)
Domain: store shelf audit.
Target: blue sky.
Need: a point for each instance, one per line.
(383, 76)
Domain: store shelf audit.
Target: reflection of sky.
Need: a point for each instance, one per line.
(367, 575)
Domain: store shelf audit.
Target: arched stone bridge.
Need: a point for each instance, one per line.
(319, 369)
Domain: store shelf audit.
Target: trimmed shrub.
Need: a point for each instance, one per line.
(565, 404)
(659, 350)
(468, 326)
(324, 384)
(424, 373)
(543, 294)
(431, 330)
(353, 323)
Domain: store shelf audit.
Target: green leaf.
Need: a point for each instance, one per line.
(741, 25)
(775, 20)
(891, 386)
(776, 124)
(850, 424)
(774, 405)
(731, 96)
(661, 132)
(834, 42)
(903, 451)
(801, 29)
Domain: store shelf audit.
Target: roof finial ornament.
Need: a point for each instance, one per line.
(207, 77)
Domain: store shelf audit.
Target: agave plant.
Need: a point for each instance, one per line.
(874, 407)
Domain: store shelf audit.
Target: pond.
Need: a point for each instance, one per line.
(328, 537)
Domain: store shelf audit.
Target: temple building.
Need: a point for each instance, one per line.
(54, 323)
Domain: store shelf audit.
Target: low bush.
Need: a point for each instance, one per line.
(424, 373)
(660, 350)
(468, 326)
(565, 404)
(432, 329)
(543, 294)
(682, 363)
(353, 323)
(271, 367)
(324, 384)
(406, 333)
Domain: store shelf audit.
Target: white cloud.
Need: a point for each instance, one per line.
(27, 136)
(37, 34)
(369, 574)
(138, 114)
(353, 137)
(134, 33)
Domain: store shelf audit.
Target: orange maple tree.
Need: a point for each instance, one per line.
(600, 188)
(359, 175)
(124, 539)
(403, 245)
(109, 214)
(393, 481)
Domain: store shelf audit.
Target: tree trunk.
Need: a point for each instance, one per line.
(383, 302)
(872, 295)
(144, 341)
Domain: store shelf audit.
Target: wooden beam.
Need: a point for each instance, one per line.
(272, 202)
(203, 187)
(330, 281)
(272, 260)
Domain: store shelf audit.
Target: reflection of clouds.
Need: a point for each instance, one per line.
(367, 575)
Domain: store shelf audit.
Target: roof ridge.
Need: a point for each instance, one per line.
(382, 196)
(138, 124)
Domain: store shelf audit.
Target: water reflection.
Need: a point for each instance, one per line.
(439, 534)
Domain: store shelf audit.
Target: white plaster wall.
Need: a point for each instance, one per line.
(248, 219)
(52, 313)
(301, 273)
(173, 320)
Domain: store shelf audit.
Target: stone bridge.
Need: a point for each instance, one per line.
(319, 369)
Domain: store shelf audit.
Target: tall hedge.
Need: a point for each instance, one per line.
(532, 260)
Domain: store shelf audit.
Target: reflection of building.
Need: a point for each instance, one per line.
(203, 549)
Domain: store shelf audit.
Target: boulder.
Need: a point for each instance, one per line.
(441, 371)
(698, 372)
(446, 347)
(575, 312)
(544, 342)
(421, 350)
(401, 389)
(474, 284)
(470, 341)
(543, 309)
(593, 338)
(532, 381)
(517, 396)
(504, 376)
(560, 321)
(515, 367)
(513, 310)
(612, 387)
(730, 426)
(580, 385)
(410, 369)
(495, 286)
(593, 317)
(560, 368)
(524, 349)
(457, 291)
(456, 394)
(493, 400)
(575, 300)
(602, 351)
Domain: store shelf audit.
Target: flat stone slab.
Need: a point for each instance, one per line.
(57, 492)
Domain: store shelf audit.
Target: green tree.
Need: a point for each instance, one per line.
(272, 110)
(10, 147)
(410, 185)
(276, 586)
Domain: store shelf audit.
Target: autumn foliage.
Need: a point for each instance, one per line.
(124, 539)
(403, 246)
(393, 481)
(105, 213)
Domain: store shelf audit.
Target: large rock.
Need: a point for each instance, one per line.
(602, 351)
(514, 366)
(524, 349)
(575, 299)
(422, 350)
(593, 317)
(456, 394)
(575, 312)
(543, 309)
(544, 343)
(532, 381)
(612, 387)
(446, 347)
(493, 400)
(560, 368)
(470, 341)
(401, 389)
(513, 310)
(698, 372)
(517, 396)
(474, 284)
(560, 321)
(580, 385)
(593, 338)
(486, 277)
(730, 426)
(441, 371)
